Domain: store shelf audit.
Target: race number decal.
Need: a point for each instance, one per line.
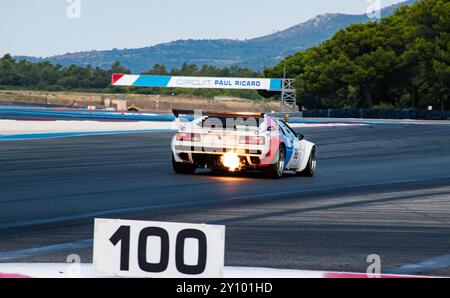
(296, 154)
(158, 249)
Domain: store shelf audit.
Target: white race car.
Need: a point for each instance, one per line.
(240, 141)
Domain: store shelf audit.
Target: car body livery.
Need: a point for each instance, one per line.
(240, 141)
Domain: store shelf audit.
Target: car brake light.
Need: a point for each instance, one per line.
(251, 140)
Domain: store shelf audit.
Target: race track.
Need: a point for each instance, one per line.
(380, 189)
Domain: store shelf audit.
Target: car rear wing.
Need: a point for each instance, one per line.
(226, 120)
(178, 112)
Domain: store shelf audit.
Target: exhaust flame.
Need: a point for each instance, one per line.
(231, 161)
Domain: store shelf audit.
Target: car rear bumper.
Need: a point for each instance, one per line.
(218, 151)
(213, 160)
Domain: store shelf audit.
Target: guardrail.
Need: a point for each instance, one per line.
(378, 114)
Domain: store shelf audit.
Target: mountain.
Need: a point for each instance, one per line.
(254, 53)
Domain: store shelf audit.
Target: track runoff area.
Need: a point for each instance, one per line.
(369, 210)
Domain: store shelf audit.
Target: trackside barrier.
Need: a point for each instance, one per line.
(62, 114)
(378, 114)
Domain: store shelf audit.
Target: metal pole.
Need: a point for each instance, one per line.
(283, 88)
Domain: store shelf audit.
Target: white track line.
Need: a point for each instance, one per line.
(17, 127)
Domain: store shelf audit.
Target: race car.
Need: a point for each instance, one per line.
(239, 142)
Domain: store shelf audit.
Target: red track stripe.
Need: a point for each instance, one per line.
(5, 275)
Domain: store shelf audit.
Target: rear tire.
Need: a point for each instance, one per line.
(310, 170)
(183, 168)
(276, 170)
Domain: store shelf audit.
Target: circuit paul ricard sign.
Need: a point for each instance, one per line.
(197, 82)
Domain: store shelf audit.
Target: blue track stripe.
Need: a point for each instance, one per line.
(11, 255)
(86, 115)
(75, 134)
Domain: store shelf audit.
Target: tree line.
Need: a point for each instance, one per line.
(401, 61)
(54, 77)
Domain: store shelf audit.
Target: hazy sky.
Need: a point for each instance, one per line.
(43, 27)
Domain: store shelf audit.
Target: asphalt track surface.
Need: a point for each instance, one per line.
(382, 189)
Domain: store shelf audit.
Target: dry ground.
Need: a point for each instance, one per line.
(146, 102)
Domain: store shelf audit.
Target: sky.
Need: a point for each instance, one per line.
(49, 27)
